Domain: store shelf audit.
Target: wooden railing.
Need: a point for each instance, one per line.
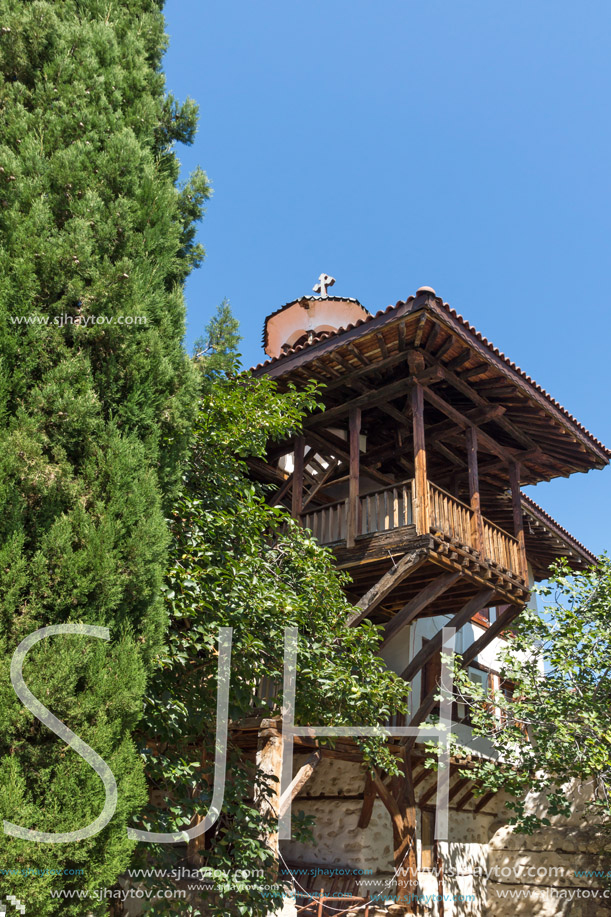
(386, 509)
(454, 518)
(381, 511)
(329, 523)
(450, 516)
(501, 547)
(392, 507)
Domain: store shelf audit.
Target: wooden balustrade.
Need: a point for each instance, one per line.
(502, 548)
(450, 516)
(392, 507)
(454, 518)
(385, 509)
(329, 523)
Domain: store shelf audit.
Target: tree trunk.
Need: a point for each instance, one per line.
(404, 837)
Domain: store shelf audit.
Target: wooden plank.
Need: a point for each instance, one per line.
(430, 341)
(447, 345)
(420, 329)
(425, 597)
(297, 496)
(353, 375)
(353, 497)
(369, 399)
(386, 584)
(458, 786)
(359, 356)
(434, 645)
(465, 799)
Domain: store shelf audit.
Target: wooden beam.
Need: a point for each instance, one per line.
(503, 621)
(462, 386)
(425, 597)
(397, 573)
(382, 345)
(274, 499)
(299, 781)
(463, 421)
(459, 360)
(373, 398)
(336, 447)
(484, 800)
(297, 497)
(475, 416)
(476, 506)
(465, 798)
(458, 786)
(518, 520)
(353, 496)
(428, 794)
(421, 484)
(333, 465)
(467, 657)
(434, 645)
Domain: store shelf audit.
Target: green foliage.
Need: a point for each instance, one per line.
(556, 728)
(96, 406)
(216, 350)
(239, 563)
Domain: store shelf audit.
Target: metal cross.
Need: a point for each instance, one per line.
(324, 281)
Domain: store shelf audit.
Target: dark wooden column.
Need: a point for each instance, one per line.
(354, 528)
(297, 501)
(421, 484)
(476, 506)
(518, 523)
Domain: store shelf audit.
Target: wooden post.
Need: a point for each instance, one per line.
(297, 501)
(518, 524)
(353, 498)
(421, 484)
(476, 506)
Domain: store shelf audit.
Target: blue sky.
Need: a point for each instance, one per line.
(463, 145)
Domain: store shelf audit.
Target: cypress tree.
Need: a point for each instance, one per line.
(96, 405)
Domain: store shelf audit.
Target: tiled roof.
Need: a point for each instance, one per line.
(529, 503)
(465, 324)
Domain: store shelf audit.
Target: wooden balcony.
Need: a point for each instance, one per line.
(393, 508)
